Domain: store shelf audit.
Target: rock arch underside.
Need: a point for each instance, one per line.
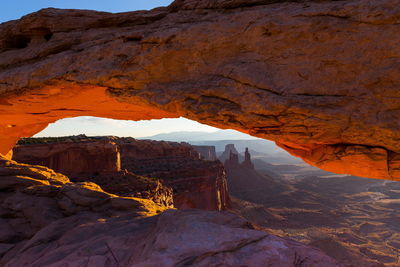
(320, 78)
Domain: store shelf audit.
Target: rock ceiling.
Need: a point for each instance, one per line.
(320, 78)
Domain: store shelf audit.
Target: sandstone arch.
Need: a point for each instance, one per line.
(321, 78)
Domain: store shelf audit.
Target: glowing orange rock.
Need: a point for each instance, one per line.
(320, 78)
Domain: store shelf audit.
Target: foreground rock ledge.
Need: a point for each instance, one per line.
(321, 78)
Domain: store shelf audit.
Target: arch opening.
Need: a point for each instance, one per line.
(26, 114)
(337, 116)
(285, 196)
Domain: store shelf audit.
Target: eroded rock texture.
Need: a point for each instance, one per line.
(197, 183)
(71, 155)
(318, 77)
(206, 152)
(33, 197)
(46, 220)
(134, 168)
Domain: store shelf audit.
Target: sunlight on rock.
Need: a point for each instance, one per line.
(161, 137)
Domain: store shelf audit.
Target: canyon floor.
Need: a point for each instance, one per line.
(352, 219)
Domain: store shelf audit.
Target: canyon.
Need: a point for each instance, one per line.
(269, 201)
(313, 76)
(135, 168)
(352, 219)
(48, 220)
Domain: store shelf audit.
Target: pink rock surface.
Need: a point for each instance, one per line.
(174, 238)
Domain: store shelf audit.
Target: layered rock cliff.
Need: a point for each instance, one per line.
(196, 183)
(91, 159)
(70, 156)
(227, 154)
(318, 77)
(206, 152)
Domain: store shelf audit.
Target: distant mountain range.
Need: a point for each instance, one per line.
(201, 136)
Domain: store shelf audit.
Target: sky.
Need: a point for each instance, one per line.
(92, 126)
(14, 9)
(99, 126)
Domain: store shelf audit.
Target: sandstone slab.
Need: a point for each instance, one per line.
(175, 238)
(311, 75)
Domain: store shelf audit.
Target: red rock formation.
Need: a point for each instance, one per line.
(206, 152)
(91, 159)
(245, 183)
(86, 156)
(197, 183)
(33, 197)
(318, 77)
(229, 149)
(48, 221)
(247, 160)
(126, 184)
(232, 162)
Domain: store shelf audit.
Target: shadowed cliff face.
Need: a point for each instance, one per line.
(120, 166)
(318, 77)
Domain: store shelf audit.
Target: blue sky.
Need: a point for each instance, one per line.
(14, 9)
(90, 125)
